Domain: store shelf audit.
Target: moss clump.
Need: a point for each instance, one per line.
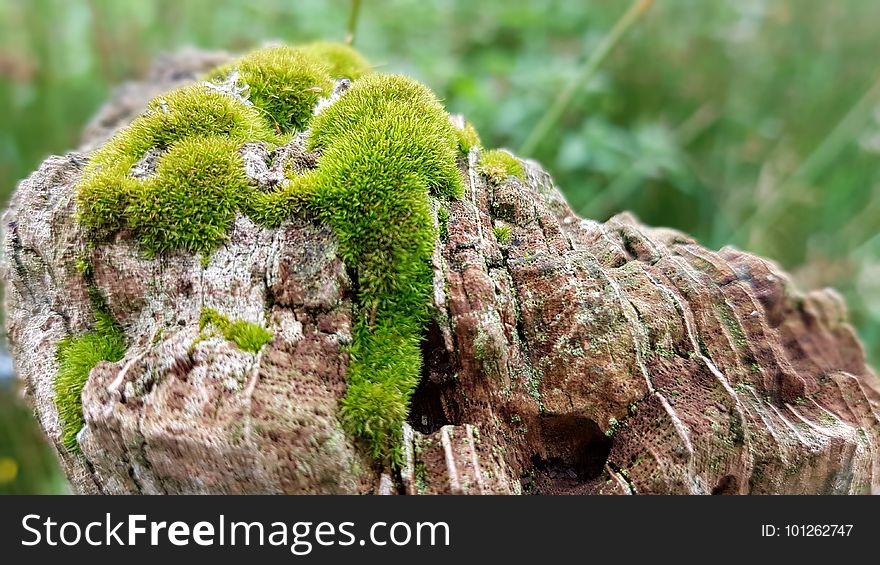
(195, 133)
(502, 234)
(467, 138)
(387, 144)
(613, 424)
(285, 83)
(107, 191)
(191, 202)
(341, 60)
(246, 335)
(270, 209)
(498, 164)
(83, 267)
(76, 358)
(443, 223)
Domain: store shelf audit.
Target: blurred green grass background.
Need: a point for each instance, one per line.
(747, 122)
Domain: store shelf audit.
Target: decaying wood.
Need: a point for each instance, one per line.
(579, 357)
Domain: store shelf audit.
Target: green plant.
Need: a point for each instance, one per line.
(194, 133)
(284, 82)
(556, 110)
(76, 357)
(107, 194)
(502, 234)
(83, 267)
(499, 164)
(353, 15)
(270, 209)
(246, 335)
(192, 201)
(341, 60)
(386, 145)
(613, 424)
(443, 223)
(467, 137)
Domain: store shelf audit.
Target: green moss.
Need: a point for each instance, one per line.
(76, 359)
(192, 201)
(389, 116)
(246, 335)
(533, 387)
(502, 234)
(728, 318)
(106, 190)
(443, 223)
(285, 83)
(341, 60)
(195, 133)
(270, 209)
(664, 351)
(613, 424)
(83, 267)
(467, 138)
(498, 164)
(387, 144)
(704, 349)
(421, 477)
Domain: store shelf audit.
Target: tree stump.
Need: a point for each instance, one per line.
(564, 355)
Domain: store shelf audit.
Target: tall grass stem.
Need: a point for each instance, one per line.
(587, 71)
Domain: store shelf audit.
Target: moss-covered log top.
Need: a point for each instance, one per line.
(384, 146)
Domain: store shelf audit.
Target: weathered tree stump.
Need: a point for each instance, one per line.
(565, 355)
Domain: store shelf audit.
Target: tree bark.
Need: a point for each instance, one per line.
(573, 357)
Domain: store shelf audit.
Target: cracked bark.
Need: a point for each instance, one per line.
(580, 357)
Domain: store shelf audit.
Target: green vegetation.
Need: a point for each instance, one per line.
(398, 112)
(342, 61)
(27, 464)
(467, 137)
(664, 352)
(192, 201)
(283, 82)
(498, 164)
(83, 267)
(502, 234)
(384, 148)
(728, 318)
(246, 335)
(108, 196)
(613, 424)
(387, 144)
(270, 209)
(76, 358)
(194, 133)
(443, 223)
